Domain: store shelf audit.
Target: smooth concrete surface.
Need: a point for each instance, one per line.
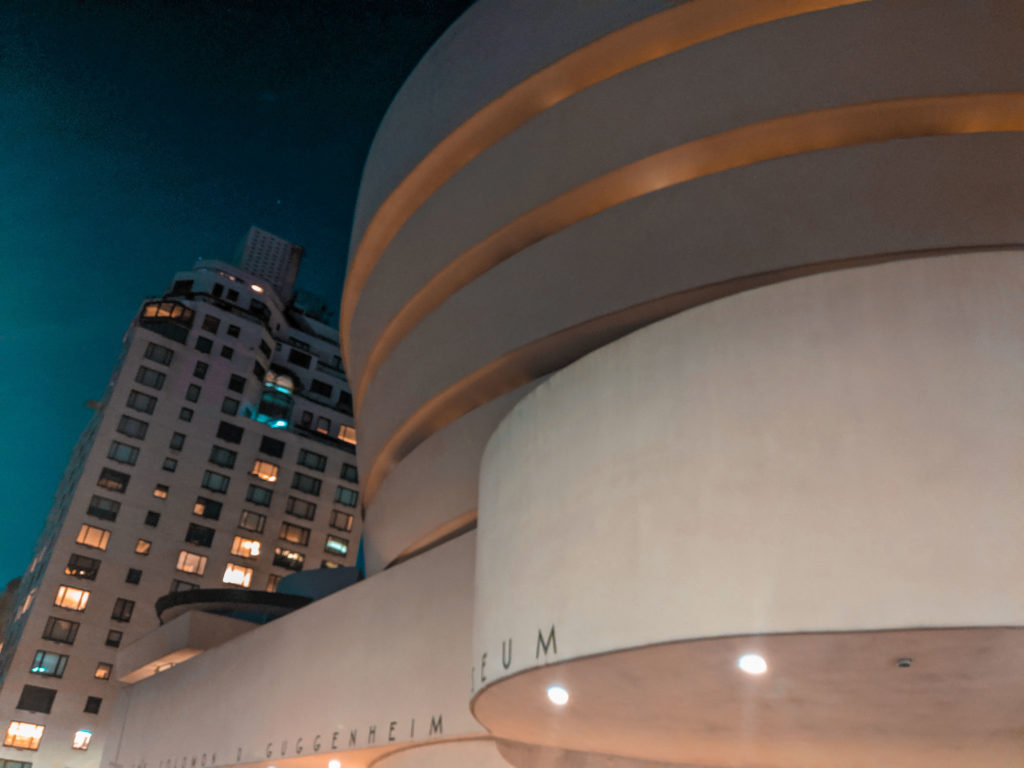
(385, 660)
(839, 452)
(176, 641)
(480, 752)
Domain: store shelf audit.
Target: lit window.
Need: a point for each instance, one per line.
(60, 630)
(113, 480)
(161, 491)
(346, 496)
(82, 738)
(336, 546)
(312, 460)
(222, 457)
(294, 534)
(90, 536)
(142, 547)
(341, 520)
(103, 671)
(48, 664)
(72, 598)
(122, 452)
(252, 521)
(236, 574)
(258, 495)
(216, 482)
(140, 401)
(347, 434)
(329, 564)
(264, 470)
(306, 484)
(245, 548)
(323, 425)
(286, 558)
(23, 735)
(272, 581)
(82, 567)
(299, 508)
(189, 562)
(207, 508)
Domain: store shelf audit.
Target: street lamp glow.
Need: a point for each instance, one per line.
(558, 695)
(752, 664)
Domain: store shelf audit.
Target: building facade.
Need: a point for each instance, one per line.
(221, 455)
(685, 342)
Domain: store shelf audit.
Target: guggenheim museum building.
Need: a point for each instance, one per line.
(686, 340)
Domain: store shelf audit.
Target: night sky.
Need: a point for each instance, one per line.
(138, 136)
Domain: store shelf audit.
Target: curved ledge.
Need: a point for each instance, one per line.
(772, 139)
(268, 605)
(638, 43)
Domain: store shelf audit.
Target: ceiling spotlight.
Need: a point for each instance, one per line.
(256, 288)
(558, 695)
(752, 664)
(334, 764)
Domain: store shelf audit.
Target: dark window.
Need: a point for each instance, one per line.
(230, 432)
(321, 388)
(152, 519)
(286, 558)
(215, 481)
(257, 495)
(264, 348)
(306, 420)
(323, 425)
(150, 378)
(105, 509)
(272, 447)
(181, 287)
(227, 352)
(229, 406)
(234, 330)
(252, 521)
(350, 473)
(299, 358)
(222, 457)
(122, 452)
(113, 480)
(123, 609)
(168, 318)
(185, 414)
(134, 576)
(177, 441)
(207, 508)
(192, 393)
(236, 383)
(232, 296)
(199, 535)
(182, 586)
(49, 664)
(92, 705)
(159, 353)
(211, 324)
(60, 630)
(140, 401)
(36, 699)
(203, 344)
(132, 427)
(82, 567)
(200, 370)
(218, 289)
(306, 484)
(299, 508)
(346, 496)
(341, 520)
(170, 464)
(259, 309)
(258, 371)
(114, 638)
(294, 534)
(312, 460)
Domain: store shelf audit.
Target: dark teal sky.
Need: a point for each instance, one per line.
(137, 136)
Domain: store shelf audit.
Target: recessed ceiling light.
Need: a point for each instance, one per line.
(752, 664)
(256, 288)
(558, 695)
(334, 764)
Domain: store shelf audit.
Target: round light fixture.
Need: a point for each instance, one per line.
(334, 764)
(752, 664)
(558, 695)
(256, 288)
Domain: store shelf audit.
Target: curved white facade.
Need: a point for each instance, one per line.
(707, 317)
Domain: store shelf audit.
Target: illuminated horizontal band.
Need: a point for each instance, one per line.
(651, 38)
(844, 126)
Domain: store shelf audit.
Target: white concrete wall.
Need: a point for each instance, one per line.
(838, 452)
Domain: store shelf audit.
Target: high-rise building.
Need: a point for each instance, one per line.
(271, 258)
(686, 342)
(221, 455)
